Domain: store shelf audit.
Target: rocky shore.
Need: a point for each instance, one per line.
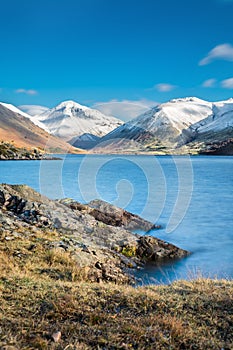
(222, 148)
(97, 235)
(8, 151)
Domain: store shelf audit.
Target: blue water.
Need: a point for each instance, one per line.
(190, 197)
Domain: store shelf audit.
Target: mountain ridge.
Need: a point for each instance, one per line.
(179, 126)
(168, 127)
(24, 133)
(70, 120)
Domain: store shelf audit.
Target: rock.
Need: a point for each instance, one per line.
(57, 223)
(224, 147)
(15, 204)
(72, 204)
(112, 215)
(2, 198)
(25, 212)
(98, 265)
(7, 238)
(56, 336)
(154, 249)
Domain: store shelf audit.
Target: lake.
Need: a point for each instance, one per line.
(191, 197)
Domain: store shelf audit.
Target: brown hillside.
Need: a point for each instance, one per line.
(15, 127)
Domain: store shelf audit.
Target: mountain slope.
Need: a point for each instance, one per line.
(16, 127)
(19, 111)
(85, 141)
(159, 128)
(217, 127)
(69, 120)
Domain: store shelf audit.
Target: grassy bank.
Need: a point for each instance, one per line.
(41, 293)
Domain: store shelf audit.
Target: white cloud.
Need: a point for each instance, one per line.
(219, 52)
(227, 83)
(33, 109)
(125, 109)
(164, 87)
(27, 92)
(209, 83)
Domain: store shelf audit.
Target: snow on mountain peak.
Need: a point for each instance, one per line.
(187, 99)
(218, 125)
(164, 122)
(178, 113)
(68, 105)
(70, 119)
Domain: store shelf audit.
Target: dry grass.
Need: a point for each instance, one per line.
(33, 255)
(34, 304)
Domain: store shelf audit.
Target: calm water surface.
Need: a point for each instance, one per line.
(198, 190)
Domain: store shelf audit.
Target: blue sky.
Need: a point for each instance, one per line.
(115, 52)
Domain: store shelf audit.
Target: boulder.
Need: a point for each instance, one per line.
(112, 215)
(151, 249)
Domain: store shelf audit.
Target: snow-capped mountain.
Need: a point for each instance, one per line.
(163, 123)
(14, 109)
(19, 111)
(177, 113)
(70, 119)
(189, 122)
(185, 125)
(15, 125)
(85, 141)
(33, 110)
(216, 127)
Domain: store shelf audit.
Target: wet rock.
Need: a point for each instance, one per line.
(154, 249)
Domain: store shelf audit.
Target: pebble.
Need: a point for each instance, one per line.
(9, 238)
(56, 336)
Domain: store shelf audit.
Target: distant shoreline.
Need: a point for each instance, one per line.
(28, 159)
